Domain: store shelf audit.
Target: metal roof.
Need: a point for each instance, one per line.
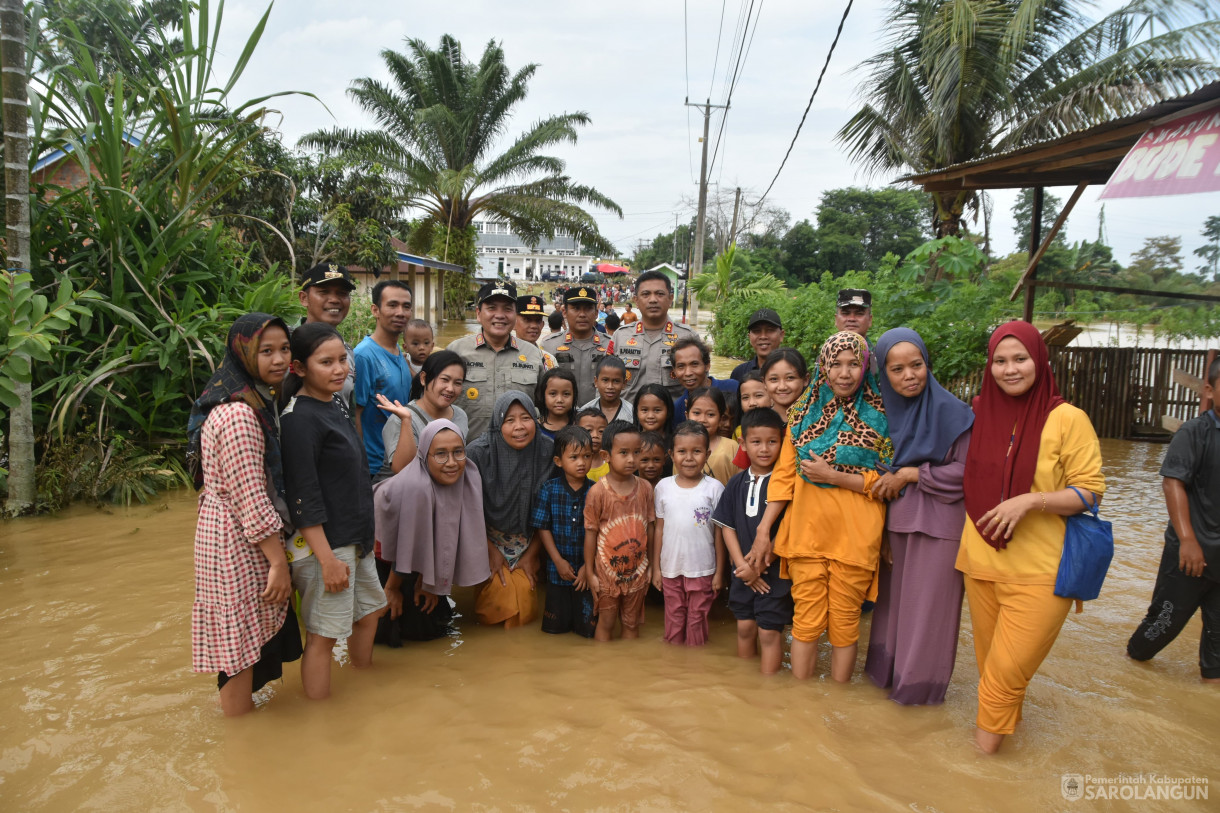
(57, 155)
(1088, 156)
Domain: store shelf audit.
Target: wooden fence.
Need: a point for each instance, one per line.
(1124, 390)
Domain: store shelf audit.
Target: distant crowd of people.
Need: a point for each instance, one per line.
(568, 474)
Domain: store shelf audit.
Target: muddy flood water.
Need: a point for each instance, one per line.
(101, 711)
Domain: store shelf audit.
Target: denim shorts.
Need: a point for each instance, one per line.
(331, 615)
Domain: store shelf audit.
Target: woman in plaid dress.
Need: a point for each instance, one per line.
(240, 627)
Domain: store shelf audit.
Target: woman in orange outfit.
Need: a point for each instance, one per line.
(829, 540)
(1028, 446)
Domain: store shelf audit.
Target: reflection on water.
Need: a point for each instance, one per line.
(102, 712)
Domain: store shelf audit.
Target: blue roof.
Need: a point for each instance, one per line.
(57, 155)
(427, 262)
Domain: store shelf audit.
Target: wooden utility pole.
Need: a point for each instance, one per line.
(13, 85)
(736, 209)
(701, 221)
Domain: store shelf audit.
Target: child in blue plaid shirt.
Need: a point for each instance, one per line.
(558, 517)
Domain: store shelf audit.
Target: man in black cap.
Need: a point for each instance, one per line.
(581, 348)
(531, 316)
(326, 294)
(854, 313)
(496, 361)
(766, 334)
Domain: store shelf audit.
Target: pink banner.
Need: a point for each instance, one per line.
(1175, 158)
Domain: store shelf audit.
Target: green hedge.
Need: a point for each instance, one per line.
(955, 317)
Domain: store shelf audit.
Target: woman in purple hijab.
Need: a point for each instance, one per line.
(913, 642)
(429, 522)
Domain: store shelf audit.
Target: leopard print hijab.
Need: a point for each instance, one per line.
(849, 433)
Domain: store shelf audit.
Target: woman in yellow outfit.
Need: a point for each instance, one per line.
(1028, 446)
(829, 539)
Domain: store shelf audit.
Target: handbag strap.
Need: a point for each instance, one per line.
(1090, 508)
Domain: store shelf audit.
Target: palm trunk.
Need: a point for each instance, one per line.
(949, 206)
(21, 488)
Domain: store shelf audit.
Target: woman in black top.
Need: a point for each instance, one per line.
(330, 500)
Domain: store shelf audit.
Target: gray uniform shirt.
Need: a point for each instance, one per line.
(581, 356)
(490, 374)
(649, 358)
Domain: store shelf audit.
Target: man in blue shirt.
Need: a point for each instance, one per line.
(381, 368)
(692, 369)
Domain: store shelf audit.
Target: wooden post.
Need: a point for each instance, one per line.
(428, 285)
(1035, 241)
(1205, 403)
(1036, 255)
(440, 297)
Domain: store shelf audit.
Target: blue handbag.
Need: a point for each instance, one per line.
(1088, 548)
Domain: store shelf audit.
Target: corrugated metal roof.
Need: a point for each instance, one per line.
(1087, 156)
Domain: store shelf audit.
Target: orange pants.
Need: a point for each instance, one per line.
(1015, 626)
(827, 594)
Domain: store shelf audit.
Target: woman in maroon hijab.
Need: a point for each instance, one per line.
(1028, 446)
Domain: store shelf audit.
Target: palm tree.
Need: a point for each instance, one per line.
(729, 280)
(440, 119)
(963, 79)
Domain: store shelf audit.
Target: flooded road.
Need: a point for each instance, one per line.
(101, 711)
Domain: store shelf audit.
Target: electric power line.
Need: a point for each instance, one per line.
(716, 60)
(690, 154)
(742, 53)
(825, 65)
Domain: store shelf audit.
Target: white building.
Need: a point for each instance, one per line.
(503, 253)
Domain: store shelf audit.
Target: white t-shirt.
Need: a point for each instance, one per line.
(688, 546)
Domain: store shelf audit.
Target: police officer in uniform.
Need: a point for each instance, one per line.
(854, 313)
(531, 316)
(495, 361)
(646, 346)
(326, 294)
(581, 348)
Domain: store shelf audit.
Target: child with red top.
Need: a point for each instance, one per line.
(619, 517)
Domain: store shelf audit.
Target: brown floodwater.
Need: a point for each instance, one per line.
(101, 711)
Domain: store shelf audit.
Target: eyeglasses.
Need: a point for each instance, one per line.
(443, 457)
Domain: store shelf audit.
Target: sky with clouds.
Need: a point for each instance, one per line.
(627, 64)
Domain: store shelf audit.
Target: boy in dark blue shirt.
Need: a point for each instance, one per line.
(559, 518)
(761, 602)
(1189, 575)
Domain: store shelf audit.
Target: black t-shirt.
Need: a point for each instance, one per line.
(326, 473)
(739, 372)
(1194, 458)
(733, 510)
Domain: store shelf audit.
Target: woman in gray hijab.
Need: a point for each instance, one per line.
(514, 459)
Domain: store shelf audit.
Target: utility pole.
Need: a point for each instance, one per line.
(697, 265)
(736, 208)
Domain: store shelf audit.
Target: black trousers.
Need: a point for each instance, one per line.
(1175, 598)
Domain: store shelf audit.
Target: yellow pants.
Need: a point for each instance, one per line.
(827, 595)
(1015, 626)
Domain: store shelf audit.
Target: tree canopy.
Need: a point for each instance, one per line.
(963, 79)
(440, 121)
